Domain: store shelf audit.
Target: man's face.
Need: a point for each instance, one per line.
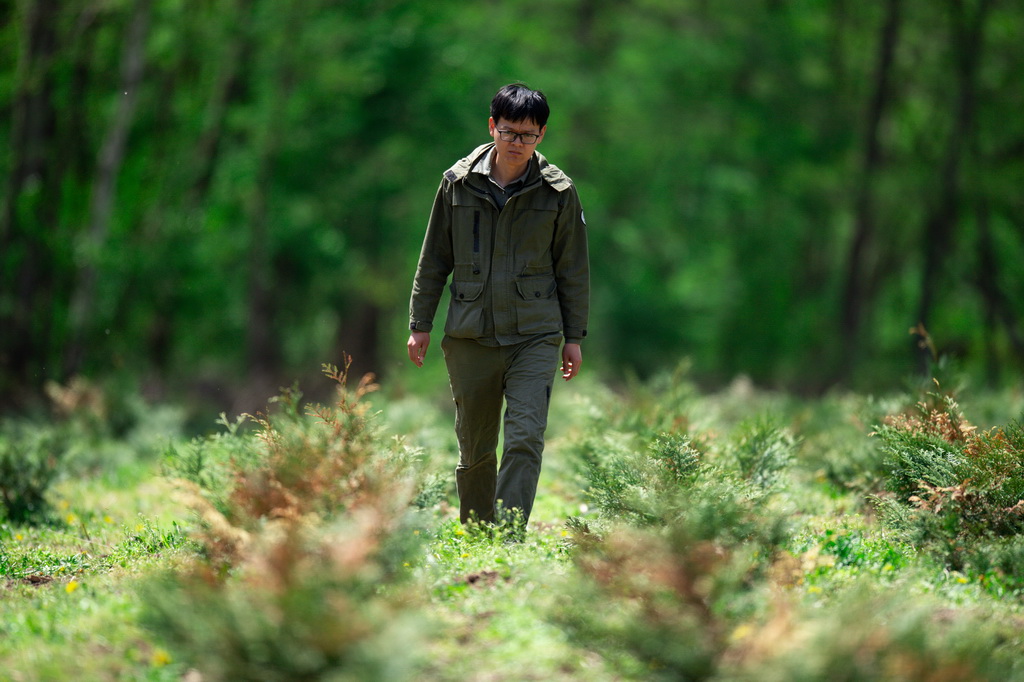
(515, 152)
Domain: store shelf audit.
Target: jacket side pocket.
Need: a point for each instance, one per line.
(537, 310)
(466, 311)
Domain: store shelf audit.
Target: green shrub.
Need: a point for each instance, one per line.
(998, 565)
(762, 450)
(31, 460)
(322, 461)
(952, 486)
(656, 596)
(677, 455)
(834, 447)
(211, 462)
(684, 535)
(305, 603)
(674, 482)
(867, 635)
(304, 549)
(615, 474)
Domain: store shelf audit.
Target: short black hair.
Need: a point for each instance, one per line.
(517, 102)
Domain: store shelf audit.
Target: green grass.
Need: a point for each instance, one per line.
(751, 517)
(70, 610)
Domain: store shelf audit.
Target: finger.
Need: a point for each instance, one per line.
(416, 354)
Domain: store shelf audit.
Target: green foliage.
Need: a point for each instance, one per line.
(210, 462)
(873, 634)
(324, 462)
(306, 606)
(709, 547)
(763, 450)
(316, 517)
(673, 483)
(676, 453)
(956, 490)
(734, 230)
(31, 459)
(659, 598)
(686, 527)
(833, 446)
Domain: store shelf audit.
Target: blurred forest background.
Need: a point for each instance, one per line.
(217, 196)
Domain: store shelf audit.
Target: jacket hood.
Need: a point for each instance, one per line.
(551, 173)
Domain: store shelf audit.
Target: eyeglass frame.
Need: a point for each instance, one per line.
(518, 136)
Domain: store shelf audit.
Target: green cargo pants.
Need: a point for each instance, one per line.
(481, 377)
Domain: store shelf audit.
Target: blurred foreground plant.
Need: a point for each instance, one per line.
(867, 635)
(685, 530)
(301, 577)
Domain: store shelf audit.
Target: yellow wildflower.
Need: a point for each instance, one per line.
(71, 586)
(160, 658)
(741, 632)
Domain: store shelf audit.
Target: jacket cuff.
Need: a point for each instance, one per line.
(574, 335)
(420, 326)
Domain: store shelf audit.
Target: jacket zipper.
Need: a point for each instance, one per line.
(476, 242)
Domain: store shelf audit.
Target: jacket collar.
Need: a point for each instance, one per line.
(551, 174)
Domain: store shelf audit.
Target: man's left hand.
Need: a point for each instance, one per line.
(572, 358)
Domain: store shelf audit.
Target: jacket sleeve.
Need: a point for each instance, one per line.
(572, 266)
(435, 264)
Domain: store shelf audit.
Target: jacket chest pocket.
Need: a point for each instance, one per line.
(471, 234)
(537, 308)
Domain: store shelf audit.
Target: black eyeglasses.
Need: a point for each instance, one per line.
(509, 136)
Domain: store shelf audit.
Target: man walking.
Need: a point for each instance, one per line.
(508, 227)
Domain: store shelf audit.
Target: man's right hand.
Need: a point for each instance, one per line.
(417, 345)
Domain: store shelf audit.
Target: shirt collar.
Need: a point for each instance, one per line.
(483, 167)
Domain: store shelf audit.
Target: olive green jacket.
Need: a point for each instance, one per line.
(517, 272)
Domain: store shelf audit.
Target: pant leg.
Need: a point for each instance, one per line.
(529, 375)
(476, 376)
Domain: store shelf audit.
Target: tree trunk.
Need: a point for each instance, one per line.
(998, 308)
(228, 89)
(29, 209)
(263, 352)
(359, 337)
(108, 166)
(855, 289)
(968, 35)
